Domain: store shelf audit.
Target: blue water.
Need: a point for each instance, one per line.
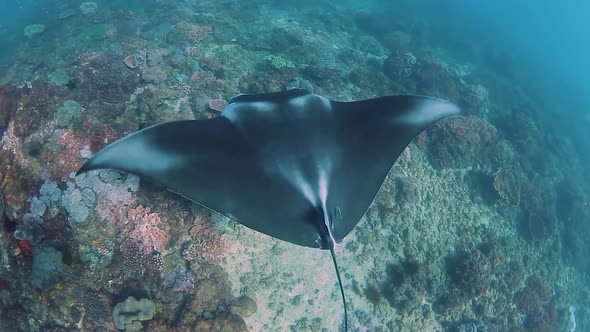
(483, 222)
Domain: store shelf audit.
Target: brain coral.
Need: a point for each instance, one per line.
(129, 314)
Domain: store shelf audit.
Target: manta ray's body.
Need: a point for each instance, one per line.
(293, 165)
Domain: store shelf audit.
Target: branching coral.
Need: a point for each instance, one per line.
(207, 242)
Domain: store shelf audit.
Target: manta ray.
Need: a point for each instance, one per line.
(293, 165)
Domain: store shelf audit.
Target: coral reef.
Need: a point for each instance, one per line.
(406, 285)
(217, 104)
(187, 32)
(477, 100)
(540, 223)
(59, 77)
(8, 97)
(88, 8)
(206, 242)
(479, 326)
(224, 321)
(134, 262)
(278, 62)
(463, 141)
(153, 75)
(400, 65)
(535, 302)
(129, 314)
(104, 77)
(407, 190)
(473, 273)
(96, 306)
(48, 267)
(34, 29)
(437, 79)
(148, 229)
(507, 186)
(66, 13)
(131, 61)
(69, 112)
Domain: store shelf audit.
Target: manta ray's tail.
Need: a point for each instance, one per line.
(341, 288)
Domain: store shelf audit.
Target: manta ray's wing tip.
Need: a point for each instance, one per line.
(441, 107)
(424, 111)
(86, 167)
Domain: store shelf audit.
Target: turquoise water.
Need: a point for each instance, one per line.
(481, 224)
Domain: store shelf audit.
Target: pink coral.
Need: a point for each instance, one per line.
(73, 146)
(207, 242)
(68, 158)
(33, 109)
(147, 229)
(106, 210)
(217, 104)
(11, 143)
(193, 32)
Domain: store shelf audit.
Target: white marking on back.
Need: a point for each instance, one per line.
(301, 103)
(232, 111)
(426, 111)
(137, 148)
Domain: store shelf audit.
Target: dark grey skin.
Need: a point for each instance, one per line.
(293, 165)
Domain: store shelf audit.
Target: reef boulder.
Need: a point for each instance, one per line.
(463, 141)
(104, 77)
(129, 314)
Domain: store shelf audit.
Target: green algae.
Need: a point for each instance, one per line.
(278, 62)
